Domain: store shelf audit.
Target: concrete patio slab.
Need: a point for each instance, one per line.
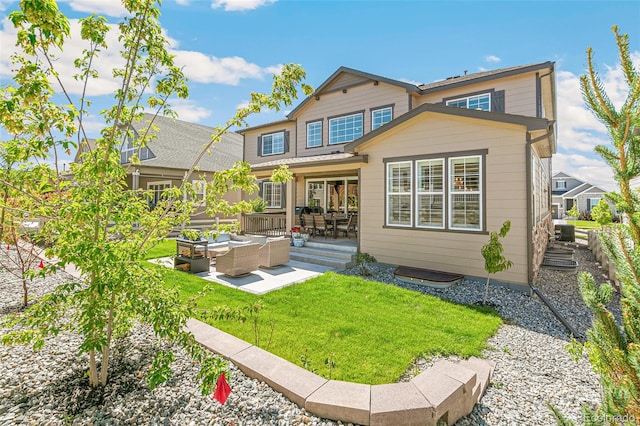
(292, 381)
(399, 404)
(216, 340)
(345, 401)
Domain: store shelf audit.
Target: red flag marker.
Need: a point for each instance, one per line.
(41, 265)
(222, 389)
(8, 247)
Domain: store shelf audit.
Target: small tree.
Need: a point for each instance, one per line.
(613, 348)
(494, 260)
(602, 214)
(96, 223)
(574, 213)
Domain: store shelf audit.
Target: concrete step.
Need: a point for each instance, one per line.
(336, 254)
(319, 259)
(319, 244)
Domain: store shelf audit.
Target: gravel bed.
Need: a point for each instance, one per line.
(533, 369)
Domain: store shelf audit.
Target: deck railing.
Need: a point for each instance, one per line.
(267, 224)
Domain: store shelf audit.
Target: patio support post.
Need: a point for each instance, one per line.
(135, 179)
(290, 188)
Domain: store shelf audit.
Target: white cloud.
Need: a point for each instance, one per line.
(239, 5)
(492, 59)
(182, 2)
(242, 104)
(101, 7)
(189, 111)
(4, 4)
(588, 169)
(203, 68)
(579, 131)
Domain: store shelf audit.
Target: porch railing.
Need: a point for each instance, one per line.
(267, 224)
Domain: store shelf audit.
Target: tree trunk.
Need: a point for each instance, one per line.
(25, 292)
(106, 350)
(486, 292)
(93, 369)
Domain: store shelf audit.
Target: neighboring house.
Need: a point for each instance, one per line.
(568, 191)
(430, 169)
(164, 162)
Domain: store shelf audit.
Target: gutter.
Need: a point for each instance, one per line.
(535, 290)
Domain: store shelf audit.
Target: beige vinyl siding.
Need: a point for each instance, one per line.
(357, 99)
(520, 93)
(504, 189)
(251, 143)
(345, 79)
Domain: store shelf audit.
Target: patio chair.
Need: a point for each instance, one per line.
(274, 252)
(239, 260)
(307, 223)
(321, 224)
(351, 225)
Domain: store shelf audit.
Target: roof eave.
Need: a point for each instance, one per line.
(319, 163)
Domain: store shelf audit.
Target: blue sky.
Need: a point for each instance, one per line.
(231, 47)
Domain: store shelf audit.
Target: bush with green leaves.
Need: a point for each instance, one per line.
(601, 213)
(493, 254)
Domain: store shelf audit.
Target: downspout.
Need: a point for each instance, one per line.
(530, 247)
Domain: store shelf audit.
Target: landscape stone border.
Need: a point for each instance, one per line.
(442, 394)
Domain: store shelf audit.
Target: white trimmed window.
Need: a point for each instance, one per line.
(381, 116)
(430, 193)
(345, 129)
(157, 189)
(399, 199)
(435, 193)
(314, 134)
(592, 202)
(128, 149)
(481, 102)
(200, 190)
(272, 194)
(273, 143)
(561, 184)
(465, 193)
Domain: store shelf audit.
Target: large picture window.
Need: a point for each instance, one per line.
(273, 143)
(345, 129)
(436, 193)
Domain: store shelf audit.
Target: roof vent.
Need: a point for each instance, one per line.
(452, 77)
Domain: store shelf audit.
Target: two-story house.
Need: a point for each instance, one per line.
(166, 159)
(568, 191)
(431, 169)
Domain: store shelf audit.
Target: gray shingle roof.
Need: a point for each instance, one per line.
(304, 160)
(480, 76)
(178, 143)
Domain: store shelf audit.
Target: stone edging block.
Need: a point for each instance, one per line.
(444, 392)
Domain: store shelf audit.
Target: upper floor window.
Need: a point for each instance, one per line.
(561, 184)
(128, 149)
(314, 134)
(345, 129)
(381, 116)
(273, 143)
(481, 102)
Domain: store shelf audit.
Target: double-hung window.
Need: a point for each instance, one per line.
(465, 193)
(345, 128)
(314, 134)
(561, 184)
(272, 194)
(399, 190)
(592, 202)
(430, 193)
(481, 102)
(273, 143)
(437, 192)
(381, 116)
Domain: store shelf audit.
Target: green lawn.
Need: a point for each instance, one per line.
(164, 248)
(371, 331)
(583, 224)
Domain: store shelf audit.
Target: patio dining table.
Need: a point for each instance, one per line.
(335, 219)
